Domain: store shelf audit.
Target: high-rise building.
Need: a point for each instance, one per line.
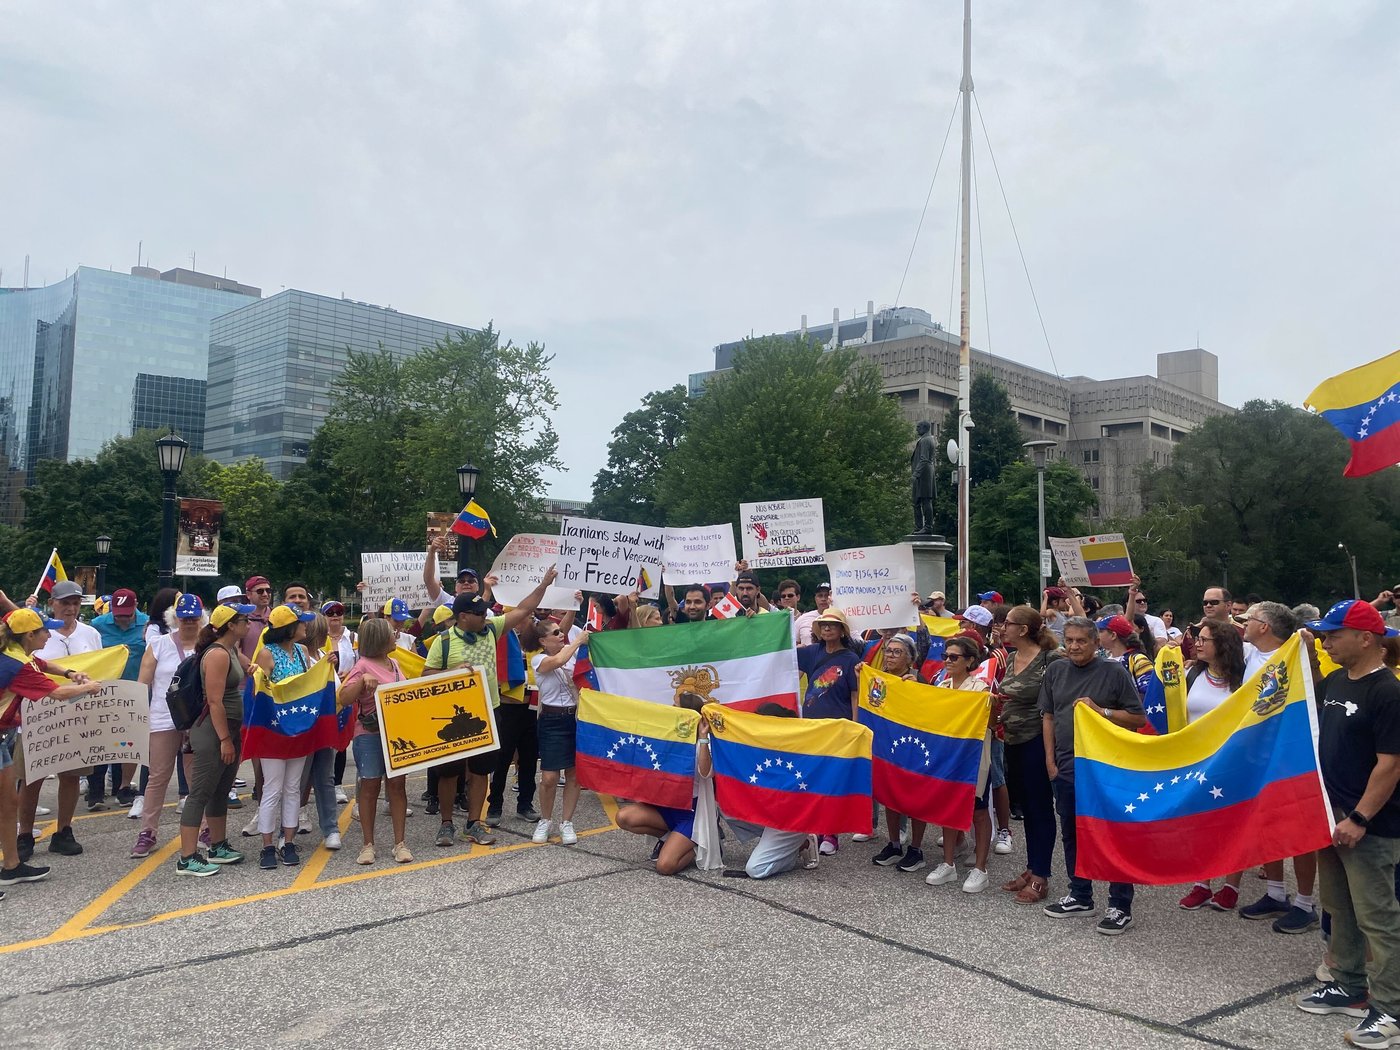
(71, 354)
(1108, 428)
(272, 363)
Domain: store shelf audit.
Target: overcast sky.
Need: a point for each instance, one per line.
(632, 183)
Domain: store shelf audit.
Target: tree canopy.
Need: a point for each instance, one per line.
(641, 447)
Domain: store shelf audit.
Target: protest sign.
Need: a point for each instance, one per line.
(610, 557)
(873, 585)
(393, 575)
(440, 527)
(112, 726)
(428, 721)
(1093, 561)
(783, 532)
(521, 566)
(197, 545)
(703, 554)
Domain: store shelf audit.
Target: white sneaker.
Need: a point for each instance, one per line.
(858, 837)
(303, 821)
(180, 806)
(942, 874)
(567, 835)
(384, 805)
(251, 828)
(134, 813)
(340, 796)
(562, 781)
(541, 832)
(408, 811)
(333, 841)
(355, 811)
(976, 881)
(44, 811)
(1003, 842)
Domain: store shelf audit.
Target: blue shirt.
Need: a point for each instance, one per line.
(134, 638)
(831, 680)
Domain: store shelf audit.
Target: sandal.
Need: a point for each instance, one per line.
(1019, 883)
(1035, 891)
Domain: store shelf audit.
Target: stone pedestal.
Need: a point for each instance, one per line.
(930, 563)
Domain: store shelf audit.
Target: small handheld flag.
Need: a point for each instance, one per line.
(595, 616)
(727, 608)
(53, 573)
(473, 522)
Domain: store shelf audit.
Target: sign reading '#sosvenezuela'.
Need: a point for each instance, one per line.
(783, 532)
(428, 721)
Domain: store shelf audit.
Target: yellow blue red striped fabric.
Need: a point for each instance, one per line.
(636, 749)
(1364, 405)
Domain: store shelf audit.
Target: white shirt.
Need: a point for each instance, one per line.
(1254, 658)
(554, 685)
(1157, 625)
(84, 639)
(1204, 696)
(168, 654)
(345, 646)
(802, 627)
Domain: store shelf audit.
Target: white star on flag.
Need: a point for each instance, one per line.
(1160, 786)
(1128, 808)
(1176, 780)
(1142, 797)
(1215, 792)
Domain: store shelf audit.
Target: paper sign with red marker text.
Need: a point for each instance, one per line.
(783, 532)
(872, 586)
(520, 567)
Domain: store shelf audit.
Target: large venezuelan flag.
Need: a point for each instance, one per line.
(810, 775)
(927, 746)
(1364, 405)
(1236, 788)
(296, 717)
(101, 665)
(635, 749)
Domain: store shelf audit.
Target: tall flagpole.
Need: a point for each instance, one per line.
(964, 344)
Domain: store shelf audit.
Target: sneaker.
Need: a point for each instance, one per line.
(1068, 906)
(460, 803)
(976, 881)
(1227, 898)
(366, 855)
(125, 795)
(42, 811)
(134, 813)
(562, 780)
(195, 865)
(290, 856)
(23, 873)
(493, 818)
(26, 847)
(1298, 920)
(1114, 922)
(1196, 899)
(542, 832)
(180, 806)
(223, 853)
(861, 837)
(567, 835)
(1002, 844)
(234, 802)
(251, 828)
(355, 811)
(267, 859)
(1265, 907)
(1377, 1029)
(1323, 972)
(425, 796)
(529, 813)
(432, 807)
(64, 844)
(340, 797)
(401, 854)
(913, 860)
(479, 833)
(145, 842)
(303, 821)
(96, 803)
(888, 856)
(1334, 999)
(445, 834)
(239, 782)
(332, 841)
(942, 874)
(1017, 813)
(827, 845)
(204, 842)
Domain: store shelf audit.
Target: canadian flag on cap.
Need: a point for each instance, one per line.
(727, 608)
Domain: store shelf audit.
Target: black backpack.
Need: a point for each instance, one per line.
(185, 697)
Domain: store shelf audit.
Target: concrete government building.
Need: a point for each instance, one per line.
(1106, 427)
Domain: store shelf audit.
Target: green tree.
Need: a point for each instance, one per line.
(793, 421)
(253, 512)
(1159, 542)
(641, 446)
(996, 443)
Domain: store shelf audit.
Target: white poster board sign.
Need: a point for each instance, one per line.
(783, 532)
(610, 557)
(703, 554)
(1093, 561)
(112, 726)
(393, 575)
(873, 586)
(521, 566)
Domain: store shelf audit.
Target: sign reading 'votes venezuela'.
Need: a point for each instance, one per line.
(428, 721)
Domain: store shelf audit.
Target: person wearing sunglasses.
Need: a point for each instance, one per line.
(1136, 605)
(259, 592)
(961, 656)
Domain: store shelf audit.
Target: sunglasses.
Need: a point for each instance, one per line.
(950, 657)
(1208, 602)
(1142, 601)
(262, 590)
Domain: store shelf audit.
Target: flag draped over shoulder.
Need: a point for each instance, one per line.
(1364, 405)
(636, 750)
(296, 717)
(1238, 787)
(742, 662)
(927, 746)
(810, 775)
(1165, 701)
(101, 665)
(940, 629)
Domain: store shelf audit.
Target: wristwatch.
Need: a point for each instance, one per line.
(1356, 818)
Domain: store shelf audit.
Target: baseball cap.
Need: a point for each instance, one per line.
(123, 602)
(937, 594)
(230, 592)
(990, 596)
(462, 574)
(470, 603)
(22, 621)
(66, 589)
(978, 615)
(396, 609)
(1354, 614)
(1056, 592)
(333, 608)
(189, 607)
(1119, 625)
(442, 614)
(825, 585)
(746, 577)
(255, 582)
(224, 613)
(285, 615)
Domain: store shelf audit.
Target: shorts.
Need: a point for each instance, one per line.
(482, 765)
(9, 740)
(679, 820)
(558, 732)
(369, 755)
(997, 777)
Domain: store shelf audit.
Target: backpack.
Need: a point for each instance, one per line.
(185, 697)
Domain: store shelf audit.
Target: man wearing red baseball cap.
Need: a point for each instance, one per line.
(1359, 747)
(259, 592)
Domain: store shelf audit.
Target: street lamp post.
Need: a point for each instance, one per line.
(466, 487)
(170, 453)
(104, 548)
(1040, 448)
(1355, 586)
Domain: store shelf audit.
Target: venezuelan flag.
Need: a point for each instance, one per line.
(927, 746)
(473, 522)
(636, 749)
(1364, 405)
(1233, 789)
(102, 665)
(1165, 702)
(1106, 561)
(810, 775)
(53, 573)
(296, 717)
(940, 629)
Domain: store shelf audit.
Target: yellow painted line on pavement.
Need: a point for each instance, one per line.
(120, 889)
(316, 863)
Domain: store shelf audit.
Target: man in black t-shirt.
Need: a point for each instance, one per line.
(1359, 746)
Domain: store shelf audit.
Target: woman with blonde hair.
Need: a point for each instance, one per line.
(375, 667)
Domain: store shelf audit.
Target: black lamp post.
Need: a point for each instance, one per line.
(466, 486)
(170, 452)
(1040, 448)
(104, 548)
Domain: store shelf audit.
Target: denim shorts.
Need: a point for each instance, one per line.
(997, 777)
(557, 731)
(9, 740)
(369, 755)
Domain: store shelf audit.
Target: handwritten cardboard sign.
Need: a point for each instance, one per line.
(63, 735)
